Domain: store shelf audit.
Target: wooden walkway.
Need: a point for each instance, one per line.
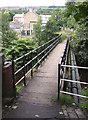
(36, 99)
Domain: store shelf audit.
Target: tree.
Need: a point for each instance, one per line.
(80, 12)
(43, 11)
(8, 35)
(54, 25)
(13, 12)
(38, 32)
(18, 48)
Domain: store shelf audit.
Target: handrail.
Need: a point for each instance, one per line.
(79, 67)
(31, 60)
(74, 81)
(61, 65)
(63, 60)
(37, 48)
(82, 96)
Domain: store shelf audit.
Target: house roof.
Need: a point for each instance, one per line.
(31, 16)
(15, 25)
(19, 15)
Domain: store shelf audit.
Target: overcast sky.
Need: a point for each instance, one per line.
(31, 2)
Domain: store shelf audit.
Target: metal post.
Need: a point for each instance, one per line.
(43, 52)
(1, 75)
(59, 65)
(14, 87)
(41, 55)
(24, 70)
(31, 66)
(36, 59)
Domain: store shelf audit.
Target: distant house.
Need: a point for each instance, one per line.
(16, 26)
(18, 18)
(45, 19)
(24, 22)
(17, 23)
(30, 18)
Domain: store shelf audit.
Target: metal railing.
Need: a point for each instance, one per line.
(62, 67)
(62, 70)
(73, 81)
(26, 63)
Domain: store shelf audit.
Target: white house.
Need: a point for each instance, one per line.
(18, 18)
(45, 19)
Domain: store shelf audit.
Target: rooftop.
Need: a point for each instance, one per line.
(19, 15)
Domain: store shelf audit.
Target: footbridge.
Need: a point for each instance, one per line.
(44, 73)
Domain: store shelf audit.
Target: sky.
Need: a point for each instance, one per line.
(32, 2)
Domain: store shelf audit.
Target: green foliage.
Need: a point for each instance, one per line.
(44, 11)
(44, 34)
(63, 99)
(0, 22)
(80, 12)
(65, 33)
(81, 45)
(66, 99)
(12, 46)
(56, 20)
(84, 103)
(38, 32)
(48, 31)
(8, 35)
(16, 11)
(18, 87)
(71, 23)
(53, 25)
(74, 16)
(18, 48)
(85, 91)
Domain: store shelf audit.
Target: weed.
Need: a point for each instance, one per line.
(63, 99)
(84, 104)
(18, 88)
(66, 99)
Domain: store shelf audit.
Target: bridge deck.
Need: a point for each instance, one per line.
(36, 99)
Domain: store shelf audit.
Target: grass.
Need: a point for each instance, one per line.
(19, 87)
(84, 104)
(63, 99)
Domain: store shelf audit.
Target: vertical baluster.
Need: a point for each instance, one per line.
(13, 71)
(36, 57)
(59, 66)
(24, 70)
(31, 65)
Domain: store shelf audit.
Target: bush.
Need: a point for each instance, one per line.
(84, 103)
(18, 48)
(67, 32)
